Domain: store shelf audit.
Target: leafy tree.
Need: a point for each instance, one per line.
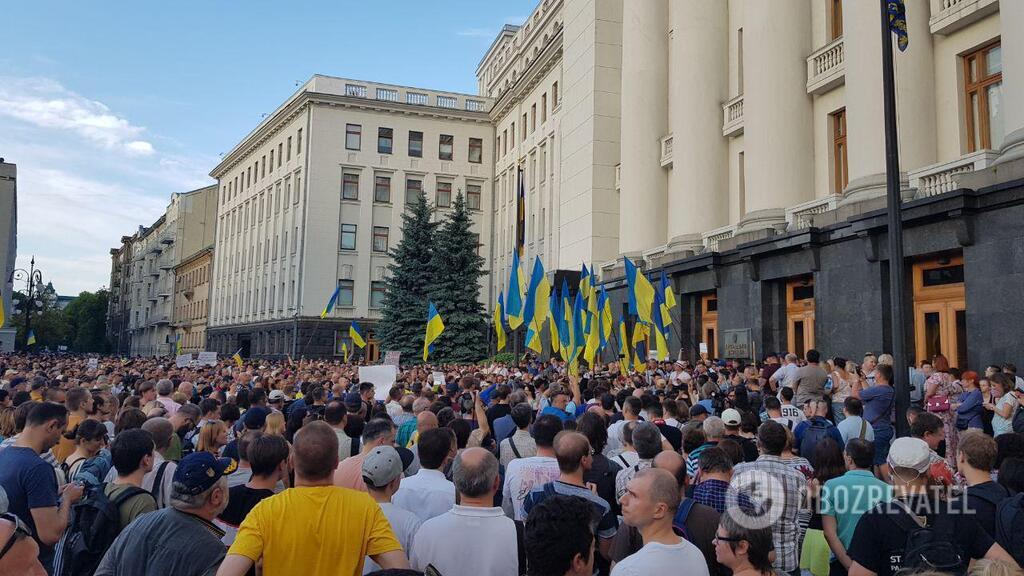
(87, 321)
(455, 289)
(404, 312)
(48, 322)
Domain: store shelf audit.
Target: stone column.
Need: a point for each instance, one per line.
(698, 197)
(1011, 23)
(915, 97)
(777, 133)
(642, 200)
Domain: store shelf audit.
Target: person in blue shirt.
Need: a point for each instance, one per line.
(815, 410)
(560, 405)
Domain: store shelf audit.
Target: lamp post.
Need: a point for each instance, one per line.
(33, 279)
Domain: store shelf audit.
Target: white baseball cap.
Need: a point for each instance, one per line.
(731, 417)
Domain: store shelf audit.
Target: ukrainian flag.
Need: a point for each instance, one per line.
(641, 336)
(533, 311)
(237, 357)
(434, 329)
(356, 335)
(177, 344)
(3, 315)
(593, 329)
(605, 305)
(577, 337)
(641, 293)
(585, 281)
(565, 322)
(331, 302)
(660, 333)
(554, 313)
(623, 346)
(516, 289)
(499, 321)
(31, 338)
(898, 22)
(344, 351)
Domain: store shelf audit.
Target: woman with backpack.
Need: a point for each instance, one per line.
(90, 437)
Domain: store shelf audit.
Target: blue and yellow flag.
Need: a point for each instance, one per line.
(565, 322)
(624, 355)
(578, 313)
(898, 22)
(641, 337)
(660, 331)
(31, 338)
(237, 357)
(177, 344)
(665, 300)
(534, 311)
(344, 351)
(499, 321)
(641, 293)
(604, 305)
(554, 314)
(356, 335)
(593, 329)
(586, 281)
(3, 314)
(331, 302)
(434, 329)
(516, 291)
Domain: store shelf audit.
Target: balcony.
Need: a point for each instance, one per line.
(948, 16)
(711, 238)
(939, 178)
(826, 68)
(732, 117)
(801, 216)
(666, 151)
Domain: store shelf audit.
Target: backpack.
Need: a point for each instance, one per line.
(97, 522)
(679, 520)
(817, 430)
(1018, 420)
(930, 547)
(158, 482)
(1010, 526)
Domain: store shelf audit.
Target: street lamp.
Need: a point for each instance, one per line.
(34, 295)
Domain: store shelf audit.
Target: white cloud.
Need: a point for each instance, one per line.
(47, 104)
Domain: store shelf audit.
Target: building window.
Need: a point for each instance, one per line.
(497, 146)
(350, 186)
(346, 292)
(263, 166)
(533, 117)
(447, 142)
(983, 107)
(444, 194)
(413, 188)
(382, 189)
(380, 238)
(543, 162)
(554, 95)
(280, 154)
(739, 61)
(348, 236)
(384, 139)
(473, 196)
(512, 132)
(298, 143)
(416, 144)
(835, 16)
(476, 150)
(377, 291)
(289, 148)
(353, 136)
(271, 159)
(543, 107)
(504, 142)
(840, 169)
(522, 131)
(741, 170)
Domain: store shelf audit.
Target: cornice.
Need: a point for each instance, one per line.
(551, 55)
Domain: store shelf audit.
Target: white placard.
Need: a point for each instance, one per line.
(182, 360)
(382, 377)
(93, 363)
(208, 358)
(392, 357)
(703, 347)
(438, 378)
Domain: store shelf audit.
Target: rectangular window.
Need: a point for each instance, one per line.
(416, 144)
(380, 238)
(348, 236)
(350, 186)
(522, 131)
(413, 188)
(473, 196)
(554, 95)
(289, 148)
(543, 107)
(271, 159)
(382, 189)
(446, 143)
(476, 150)
(739, 61)
(840, 172)
(504, 142)
(377, 291)
(263, 166)
(444, 194)
(497, 146)
(353, 136)
(298, 143)
(543, 162)
(346, 293)
(280, 154)
(835, 19)
(512, 133)
(983, 106)
(533, 118)
(741, 169)
(384, 140)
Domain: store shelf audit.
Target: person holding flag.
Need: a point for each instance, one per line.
(435, 326)
(344, 351)
(237, 357)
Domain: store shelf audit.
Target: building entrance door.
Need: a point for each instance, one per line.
(800, 315)
(940, 311)
(372, 348)
(709, 323)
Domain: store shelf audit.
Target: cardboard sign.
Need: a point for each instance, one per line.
(93, 363)
(392, 357)
(207, 358)
(183, 360)
(438, 378)
(703, 347)
(382, 377)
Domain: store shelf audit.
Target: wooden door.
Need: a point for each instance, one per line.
(940, 311)
(709, 323)
(800, 315)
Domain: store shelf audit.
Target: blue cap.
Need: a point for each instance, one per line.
(697, 410)
(353, 401)
(255, 417)
(198, 471)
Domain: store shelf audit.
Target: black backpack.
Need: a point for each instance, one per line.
(817, 430)
(930, 546)
(97, 522)
(1010, 526)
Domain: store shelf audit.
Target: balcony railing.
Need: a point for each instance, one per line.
(666, 151)
(952, 15)
(940, 178)
(826, 68)
(801, 216)
(711, 238)
(732, 117)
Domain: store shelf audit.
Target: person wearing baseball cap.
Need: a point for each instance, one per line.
(383, 469)
(732, 419)
(182, 538)
(880, 543)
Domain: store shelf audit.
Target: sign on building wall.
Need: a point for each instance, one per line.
(736, 344)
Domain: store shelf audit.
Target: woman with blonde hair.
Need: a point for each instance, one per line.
(7, 428)
(275, 424)
(213, 437)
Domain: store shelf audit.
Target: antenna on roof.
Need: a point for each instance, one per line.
(298, 82)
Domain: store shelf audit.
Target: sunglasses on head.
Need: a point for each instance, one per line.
(21, 530)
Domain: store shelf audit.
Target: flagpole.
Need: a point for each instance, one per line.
(895, 221)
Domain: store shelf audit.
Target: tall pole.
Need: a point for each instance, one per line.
(901, 379)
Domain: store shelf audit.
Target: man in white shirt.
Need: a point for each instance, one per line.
(524, 474)
(787, 409)
(382, 473)
(474, 537)
(631, 408)
(649, 504)
(428, 493)
(782, 378)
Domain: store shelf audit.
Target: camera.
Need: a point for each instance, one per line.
(466, 402)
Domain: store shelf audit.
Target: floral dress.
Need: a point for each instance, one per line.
(946, 386)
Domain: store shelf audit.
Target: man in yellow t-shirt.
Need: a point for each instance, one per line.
(314, 528)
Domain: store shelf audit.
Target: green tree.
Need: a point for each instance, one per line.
(87, 322)
(48, 322)
(404, 312)
(455, 289)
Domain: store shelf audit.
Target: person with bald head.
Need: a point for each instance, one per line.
(441, 542)
(649, 504)
(20, 553)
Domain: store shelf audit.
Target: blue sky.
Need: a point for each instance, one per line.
(108, 108)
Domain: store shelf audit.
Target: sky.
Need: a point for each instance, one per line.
(109, 108)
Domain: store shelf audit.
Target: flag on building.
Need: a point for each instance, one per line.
(554, 313)
(516, 292)
(641, 293)
(898, 22)
(331, 302)
(237, 357)
(499, 321)
(434, 329)
(356, 335)
(31, 338)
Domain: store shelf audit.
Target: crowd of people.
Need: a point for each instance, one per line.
(716, 468)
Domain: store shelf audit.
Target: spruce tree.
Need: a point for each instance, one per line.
(404, 313)
(455, 289)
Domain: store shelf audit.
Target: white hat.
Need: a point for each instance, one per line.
(731, 417)
(908, 452)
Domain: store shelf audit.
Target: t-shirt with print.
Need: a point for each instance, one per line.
(133, 507)
(879, 542)
(521, 476)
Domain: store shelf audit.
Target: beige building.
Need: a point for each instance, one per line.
(192, 300)
(313, 198)
(8, 247)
